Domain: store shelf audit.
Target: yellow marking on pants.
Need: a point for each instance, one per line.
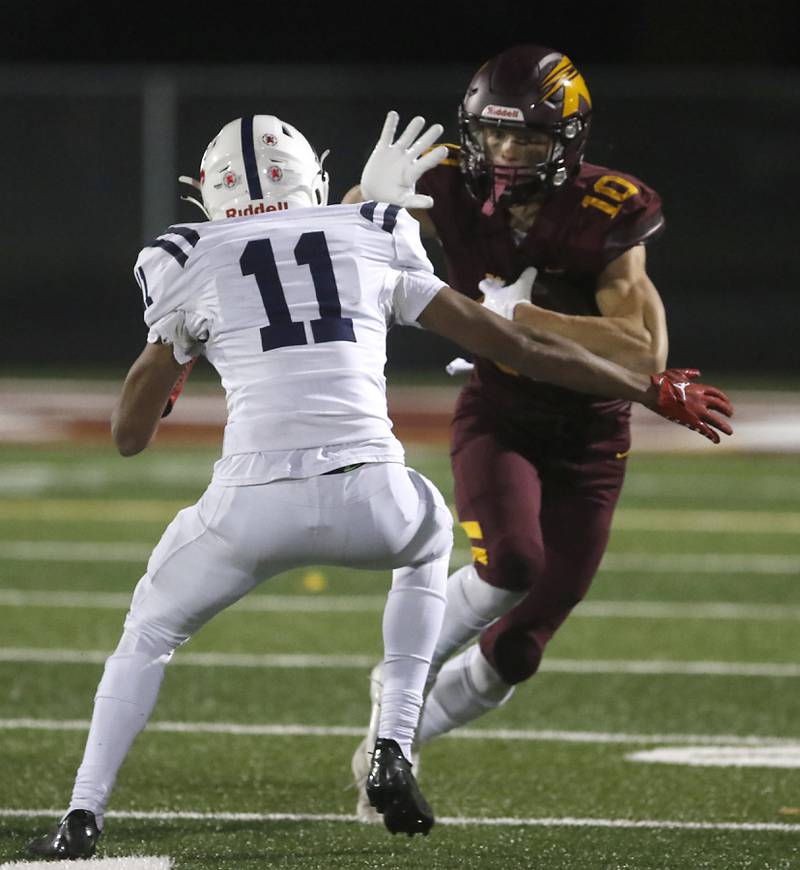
(473, 530)
(480, 555)
(623, 455)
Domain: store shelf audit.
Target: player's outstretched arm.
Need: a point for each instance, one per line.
(565, 363)
(144, 396)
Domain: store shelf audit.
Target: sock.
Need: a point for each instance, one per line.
(411, 622)
(124, 701)
(472, 604)
(466, 688)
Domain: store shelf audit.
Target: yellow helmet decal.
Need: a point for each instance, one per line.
(565, 75)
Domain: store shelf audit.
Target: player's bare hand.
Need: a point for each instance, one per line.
(698, 406)
(394, 167)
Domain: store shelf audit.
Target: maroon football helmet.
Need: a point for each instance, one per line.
(527, 86)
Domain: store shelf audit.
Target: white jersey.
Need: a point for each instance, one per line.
(293, 307)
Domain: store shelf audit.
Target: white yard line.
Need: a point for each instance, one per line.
(686, 610)
(505, 822)
(636, 563)
(781, 757)
(135, 862)
(257, 602)
(625, 518)
(599, 609)
(74, 551)
(288, 660)
(203, 660)
(503, 734)
(700, 563)
(97, 510)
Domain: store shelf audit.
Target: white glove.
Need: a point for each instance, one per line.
(504, 299)
(458, 366)
(392, 171)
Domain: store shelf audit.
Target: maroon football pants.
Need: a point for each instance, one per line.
(543, 513)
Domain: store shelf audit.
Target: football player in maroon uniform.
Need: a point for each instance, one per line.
(558, 243)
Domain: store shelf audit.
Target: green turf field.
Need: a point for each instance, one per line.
(688, 641)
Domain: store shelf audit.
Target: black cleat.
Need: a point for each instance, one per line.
(393, 791)
(75, 836)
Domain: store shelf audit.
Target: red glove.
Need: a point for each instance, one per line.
(696, 406)
(178, 387)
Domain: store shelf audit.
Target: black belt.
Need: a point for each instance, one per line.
(344, 469)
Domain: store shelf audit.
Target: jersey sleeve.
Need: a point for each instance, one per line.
(162, 275)
(640, 221)
(416, 284)
(413, 293)
(409, 252)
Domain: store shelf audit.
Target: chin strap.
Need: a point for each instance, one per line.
(193, 182)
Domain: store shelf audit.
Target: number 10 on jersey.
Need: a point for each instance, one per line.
(311, 250)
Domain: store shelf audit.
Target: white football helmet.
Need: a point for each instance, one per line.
(258, 164)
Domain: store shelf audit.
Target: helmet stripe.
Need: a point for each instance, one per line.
(249, 154)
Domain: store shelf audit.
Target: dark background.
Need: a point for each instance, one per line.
(699, 100)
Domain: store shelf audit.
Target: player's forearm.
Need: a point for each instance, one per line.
(135, 417)
(617, 339)
(565, 363)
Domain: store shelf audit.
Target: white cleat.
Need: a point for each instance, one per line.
(362, 757)
(360, 765)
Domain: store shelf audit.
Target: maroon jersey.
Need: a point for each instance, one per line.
(594, 218)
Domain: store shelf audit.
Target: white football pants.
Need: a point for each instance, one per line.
(382, 515)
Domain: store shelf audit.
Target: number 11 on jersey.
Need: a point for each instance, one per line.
(311, 250)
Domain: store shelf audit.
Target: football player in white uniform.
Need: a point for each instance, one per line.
(290, 300)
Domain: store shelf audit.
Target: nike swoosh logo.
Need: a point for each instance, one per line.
(622, 455)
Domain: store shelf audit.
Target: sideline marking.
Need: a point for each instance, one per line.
(289, 660)
(721, 756)
(259, 602)
(503, 821)
(134, 862)
(505, 734)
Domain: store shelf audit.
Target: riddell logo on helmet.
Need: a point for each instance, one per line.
(506, 113)
(259, 209)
